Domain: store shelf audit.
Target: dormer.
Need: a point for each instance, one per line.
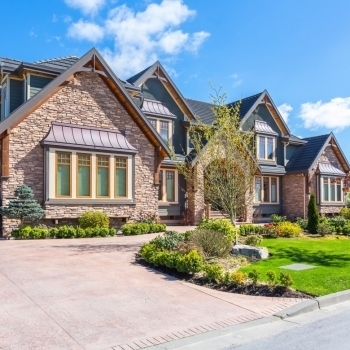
(266, 141)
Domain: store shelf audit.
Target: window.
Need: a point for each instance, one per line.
(120, 177)
(167, 186)
(266, 189)
(266, 148)
(331, 191)
(164, 128)
(84, 175)
(4, 96)
(63, 174)
(102, 176)
(90, 176)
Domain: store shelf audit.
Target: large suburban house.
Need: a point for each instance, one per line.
(83, 139)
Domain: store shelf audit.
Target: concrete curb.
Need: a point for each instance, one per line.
(314, 304)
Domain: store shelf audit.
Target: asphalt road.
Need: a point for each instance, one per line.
(332, 332)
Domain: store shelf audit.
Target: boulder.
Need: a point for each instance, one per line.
(248, 250)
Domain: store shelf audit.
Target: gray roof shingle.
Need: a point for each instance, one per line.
(132, 79)
(204, 109)
(305, 155)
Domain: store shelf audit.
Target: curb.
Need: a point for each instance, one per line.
(314, 304)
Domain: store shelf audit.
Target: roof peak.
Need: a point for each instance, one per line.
(312, 137)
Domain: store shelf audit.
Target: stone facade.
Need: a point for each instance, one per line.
(87, 101)
(195, 197)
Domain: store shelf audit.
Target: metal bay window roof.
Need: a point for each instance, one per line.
(79, 136)
(329, 169)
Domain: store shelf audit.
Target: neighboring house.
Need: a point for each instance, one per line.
(83, 139)
(79, 142)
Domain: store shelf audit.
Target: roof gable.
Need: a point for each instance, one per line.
(92, 61)
(158, 71)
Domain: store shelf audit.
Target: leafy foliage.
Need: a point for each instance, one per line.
(238, 278)
(254, 240)
(24, 207)
(303, 223)
(270, 231)
(345, 212)
(142, 228)
(324, 229)
(289, 229)
(271, 277)
(212, 243)
(312, 214)
(277, 219)
(249, 229)
(220, 225)
(213, 272)
(286, 279)
(93, 218)
(170, 240)
(254, 276)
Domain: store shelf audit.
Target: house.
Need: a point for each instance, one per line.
(83, 139)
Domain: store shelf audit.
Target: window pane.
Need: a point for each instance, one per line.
(84, 176)
(339, 192)
(262, 147)
(332, 188)
(164, 127)
(170, 186)
(102, 176)
(120, 177)
(63, 174)
(325, 189)
(269, 148)
(266, 189)
(160, 190)
(273, 189)
(258, 189)
(153, 122)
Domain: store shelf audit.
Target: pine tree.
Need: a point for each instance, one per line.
(24, 206)
(312, 214)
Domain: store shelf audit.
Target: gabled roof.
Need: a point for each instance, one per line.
(92, 61)
(60, 63)
(306, 156)
(158, 71)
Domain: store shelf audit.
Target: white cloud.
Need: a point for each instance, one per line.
(140, 38)
(285, 110)
(86, 6)
(236, 80)
(86, 31)
(334, 114)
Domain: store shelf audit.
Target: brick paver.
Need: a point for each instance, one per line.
(90, 294)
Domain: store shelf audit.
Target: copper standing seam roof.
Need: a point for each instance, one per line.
(78, 136)
(329, 169)
(264, 127)
(157, 108)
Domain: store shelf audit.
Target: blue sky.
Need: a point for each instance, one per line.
(298, 50)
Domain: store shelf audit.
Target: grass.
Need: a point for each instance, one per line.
(330, 255)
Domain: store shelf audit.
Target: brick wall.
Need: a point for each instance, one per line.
(293, 196)
(86, 100)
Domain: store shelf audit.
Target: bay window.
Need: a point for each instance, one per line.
(84, 175)
(63, 174)
(331, 191)
(102, 176)
(266, 189)
(266, 147)
(168, 180)
(120, 177)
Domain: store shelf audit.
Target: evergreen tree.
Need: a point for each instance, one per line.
(24, 206)
(312, 214)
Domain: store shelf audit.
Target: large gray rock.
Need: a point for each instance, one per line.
(248, 250)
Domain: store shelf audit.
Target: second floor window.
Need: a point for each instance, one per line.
(266, 147)
(164, 128)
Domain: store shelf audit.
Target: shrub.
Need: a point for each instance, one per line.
(254, 276)
(337, 222)
(288, 229)
(226, 279)
(346, 229)
(39, 233)
(222, 225)
(286, 279)
(254, 240)
(169, 240)
(190, 263)
(324, 229)
(270, 231)
(312, 214)
(302, 223)
(271, 277)
(53, 232)
(135, 229)
(112, 231)
(248, 229)
(24, 232)
(147, 251)
(89, 232)
(212, 243)
(157, 228)
(277, 219)
(93, 218)
(104, 231)
(213, 272)
(238, 278)
(345, 213)
(79, 232)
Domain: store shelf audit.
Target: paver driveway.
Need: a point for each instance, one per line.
(89, 294)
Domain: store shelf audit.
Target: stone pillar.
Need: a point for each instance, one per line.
(196, 203)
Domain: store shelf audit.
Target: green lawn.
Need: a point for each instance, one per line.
(330, 255)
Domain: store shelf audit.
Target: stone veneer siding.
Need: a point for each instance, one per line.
(293, 196)
(87, 101)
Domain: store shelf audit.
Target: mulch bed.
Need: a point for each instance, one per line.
(249, 289)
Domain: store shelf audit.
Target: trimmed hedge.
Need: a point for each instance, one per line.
(141, 228)
(93, 218)
(28, 232)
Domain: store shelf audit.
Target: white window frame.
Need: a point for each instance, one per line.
(329, 191)
(52, 175)
(163, 184)
(265, 150)
(270, 190)
(170, 129)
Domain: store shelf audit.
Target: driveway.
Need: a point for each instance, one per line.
(90, 294)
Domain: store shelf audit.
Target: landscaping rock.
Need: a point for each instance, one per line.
(247, 250)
